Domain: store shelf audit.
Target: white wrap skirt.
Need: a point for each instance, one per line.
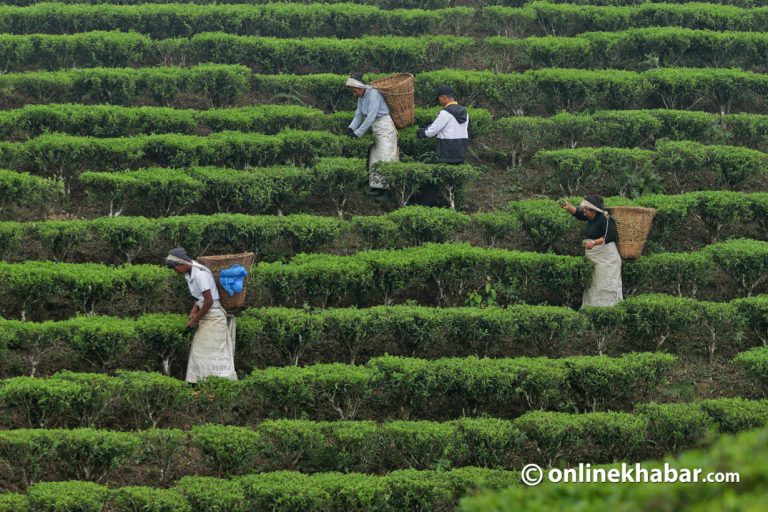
(605, 289)
(213, 347)
(384, 150)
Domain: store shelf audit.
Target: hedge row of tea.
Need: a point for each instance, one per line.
(384, 4)
(282, 336)
(282, 491)
(431, 274)
(544, 91)
(391, 4)
(273, 19)
(263, 55)
(165, 455)
(118, 121)
(444, 274)
(161, 191)
(519, 136)
(742, 454)
(385, 388)
(674, 166)
(294, 20)
(66, 156)
(523, 136)
(529, 224)
(628, 49)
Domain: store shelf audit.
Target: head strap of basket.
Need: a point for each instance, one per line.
(398, 93)
(218, 263)
(633, 224)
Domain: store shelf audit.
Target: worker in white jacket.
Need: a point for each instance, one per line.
(451, 127)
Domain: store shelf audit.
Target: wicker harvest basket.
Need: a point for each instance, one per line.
(632, 227)
(398, 93)
(219, 263)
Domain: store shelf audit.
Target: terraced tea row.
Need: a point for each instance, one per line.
(444, 274)
(385, 388)
(635, 49)
(732, 456)
(333, 181)
(118, 121)
(674, 166)
(349, 20)
(66, 156)
(519, 136)
(164, 455)
(628, 128)
(280, 491)
(389, 4)
(545, 91)
(271, 19)
(529, 224)
(280, 336)
(406, 4)
(432, 274)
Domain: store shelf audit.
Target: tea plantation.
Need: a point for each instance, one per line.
(391, 356)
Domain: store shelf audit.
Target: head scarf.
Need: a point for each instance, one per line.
(593, 203)
(179, 256)
(357, 84)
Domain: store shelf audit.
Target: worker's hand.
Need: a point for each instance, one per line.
(590, 244)
(350, 132)
(564, 204)
(421, 133)
(192, 324)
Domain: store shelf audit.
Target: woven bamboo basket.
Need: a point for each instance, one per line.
(632, 227)
(219, 263)
(398, 93)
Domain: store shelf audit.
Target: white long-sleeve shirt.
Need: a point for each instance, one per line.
(445, 126)
(453, 136)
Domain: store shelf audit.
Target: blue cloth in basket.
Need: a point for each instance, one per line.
(232, 279)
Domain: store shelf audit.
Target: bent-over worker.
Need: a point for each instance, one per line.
(373, 114)
(213, 347)
(600, 248)
(451, 127)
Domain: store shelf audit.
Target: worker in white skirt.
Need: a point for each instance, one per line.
(373, 114)
(213, 347)
(600, 248)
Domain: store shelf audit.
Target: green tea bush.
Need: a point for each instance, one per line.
(554, 438)
(386, 387)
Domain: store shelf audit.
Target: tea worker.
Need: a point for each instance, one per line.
(373, 114)
(600, 248)
(212, 353)
(451, 127)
